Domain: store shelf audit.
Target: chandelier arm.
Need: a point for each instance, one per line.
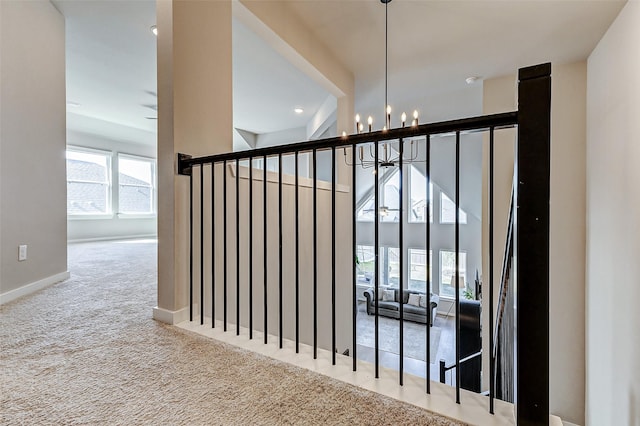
(346, 161)
(413, 156)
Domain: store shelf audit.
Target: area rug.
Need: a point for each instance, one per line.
(389, 336)
(86, 351)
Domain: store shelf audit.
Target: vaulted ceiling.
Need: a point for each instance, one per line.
(433, 47)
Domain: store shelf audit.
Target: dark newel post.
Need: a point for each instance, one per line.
(532, 256)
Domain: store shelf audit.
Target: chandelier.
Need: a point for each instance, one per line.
(387, 158)
(390, 156)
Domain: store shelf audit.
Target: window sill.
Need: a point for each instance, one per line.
(90, 216)
(136, 216)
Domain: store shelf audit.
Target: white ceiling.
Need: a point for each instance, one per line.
(267, 88)
(434, 46)
(111, 67)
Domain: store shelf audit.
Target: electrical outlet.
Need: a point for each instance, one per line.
(22, 252)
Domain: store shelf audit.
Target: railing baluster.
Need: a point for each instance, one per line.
(213, 245)
(457, 260)
(376, 221)
(191, 245)
(264, 242)
(250, 248)
(297, 203)
(333, 255)
(237, 247)
(401, 245)
(491, 342)
(355, 255)
(427, 247)
(201, 244)
(224, 252)
(315, 255)
(280, 324)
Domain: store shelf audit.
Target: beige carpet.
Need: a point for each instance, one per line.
(86, 351)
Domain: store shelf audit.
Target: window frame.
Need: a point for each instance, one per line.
(463, 273)
(382, 259)
(431, 202)
(460, 210)
(429, 277)
(109, 214)
(382, 201)
(154, 187)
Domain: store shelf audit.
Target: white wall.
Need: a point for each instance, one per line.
(613, 224)
(115, 226)
(567, 241)
(32, 143)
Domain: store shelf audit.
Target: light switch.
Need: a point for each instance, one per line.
(22, 252)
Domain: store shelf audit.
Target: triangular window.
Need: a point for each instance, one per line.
(448, 210)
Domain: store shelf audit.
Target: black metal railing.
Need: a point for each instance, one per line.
(532, 121)
(444, 367)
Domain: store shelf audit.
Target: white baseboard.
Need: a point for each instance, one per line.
(33, 287)
(112, 238)
(171, 317)
(557, 421)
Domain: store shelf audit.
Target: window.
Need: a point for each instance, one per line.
(136, 185)
(389, 199)
(448, 270)
(418, 270)
(389, 268)
(365, 264)
(418, 194)
(448, 210)
(88, 182)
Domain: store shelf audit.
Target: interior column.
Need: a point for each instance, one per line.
(195, 118)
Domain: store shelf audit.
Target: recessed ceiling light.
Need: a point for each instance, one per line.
(298, 110)
(73, 104)
(154, 30)
(471, 80)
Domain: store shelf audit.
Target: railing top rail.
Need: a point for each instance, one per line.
(479, 123)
